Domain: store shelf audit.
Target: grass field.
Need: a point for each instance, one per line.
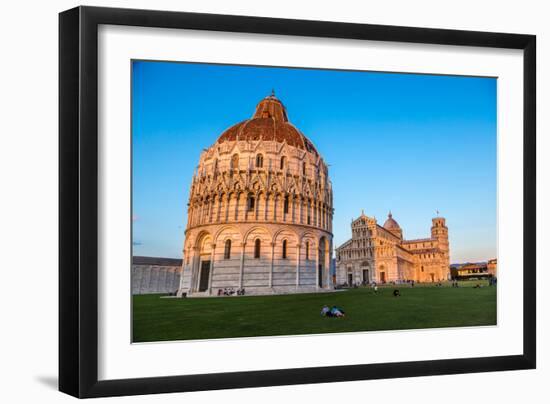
(158, 319)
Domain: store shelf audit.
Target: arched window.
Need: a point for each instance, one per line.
(227, 250)
(257, 245)
(250, 202)
(304, 168)
(283, 162)
(284, 249)
(285, 205)
(235, 162)
(259, 161)
(307, 250)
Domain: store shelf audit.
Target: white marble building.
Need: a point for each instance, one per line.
(260, 211)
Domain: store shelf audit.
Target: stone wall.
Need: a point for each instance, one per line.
(155, 275)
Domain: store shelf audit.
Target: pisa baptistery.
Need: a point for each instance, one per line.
(259, 217)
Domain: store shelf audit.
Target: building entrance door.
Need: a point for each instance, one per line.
(205, 276)
(350, 279)
(320, 275)
(382, 277)
(365, 275)
(433, 277)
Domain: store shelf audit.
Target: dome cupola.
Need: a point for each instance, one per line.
(269, 123)
(391, 224)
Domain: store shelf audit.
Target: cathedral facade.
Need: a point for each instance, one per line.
(379, 254)
(260, 211)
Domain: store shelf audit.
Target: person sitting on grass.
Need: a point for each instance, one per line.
(337, 312)
(396, 293)
(325, 311)
(375, 288)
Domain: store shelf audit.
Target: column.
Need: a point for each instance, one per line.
(180, 287)
(201, 214)
(328, 262)
(211, 209)
(282, 208)
(275, 200)
(317, 268)
(211, 274)
(193, 214)
(256, 207)
(266, 207)
(189, 216)
(241, 274)
(315, 215)
(237, 199)
(220, 203)
(193, 269)
(226, 212)
(271, 267)
(297, 266)
(196, 269)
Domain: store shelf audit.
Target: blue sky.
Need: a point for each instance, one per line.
(406, 142)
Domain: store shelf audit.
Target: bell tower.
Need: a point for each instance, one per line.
(440, 232)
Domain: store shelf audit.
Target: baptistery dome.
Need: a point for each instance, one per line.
(269, 123)
(260, 211)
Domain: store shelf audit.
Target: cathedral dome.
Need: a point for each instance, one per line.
(270, 123)
(391, 224)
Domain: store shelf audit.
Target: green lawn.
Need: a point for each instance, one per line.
(158, 319)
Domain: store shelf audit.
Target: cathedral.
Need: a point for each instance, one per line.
(379, 254)
(259, 215)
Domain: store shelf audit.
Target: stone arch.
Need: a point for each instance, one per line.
(254, 229)
(202, 262)
(201, 238)
(283, 162)
(234, 164)
(309, 236)
(221, 234)
(260, 205)
(227, 246)
(285, 232)
(382, 273)
(259, 163)
(257, 233)
(365, 268)
(323, 262)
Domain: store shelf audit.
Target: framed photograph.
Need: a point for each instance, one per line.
(249, 201)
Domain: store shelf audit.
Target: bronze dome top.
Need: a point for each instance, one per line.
(270, 123)
(391, 224)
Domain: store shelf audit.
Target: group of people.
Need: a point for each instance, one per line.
(230, 292)
(334, 311)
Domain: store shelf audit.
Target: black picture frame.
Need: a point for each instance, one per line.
(78, 201)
